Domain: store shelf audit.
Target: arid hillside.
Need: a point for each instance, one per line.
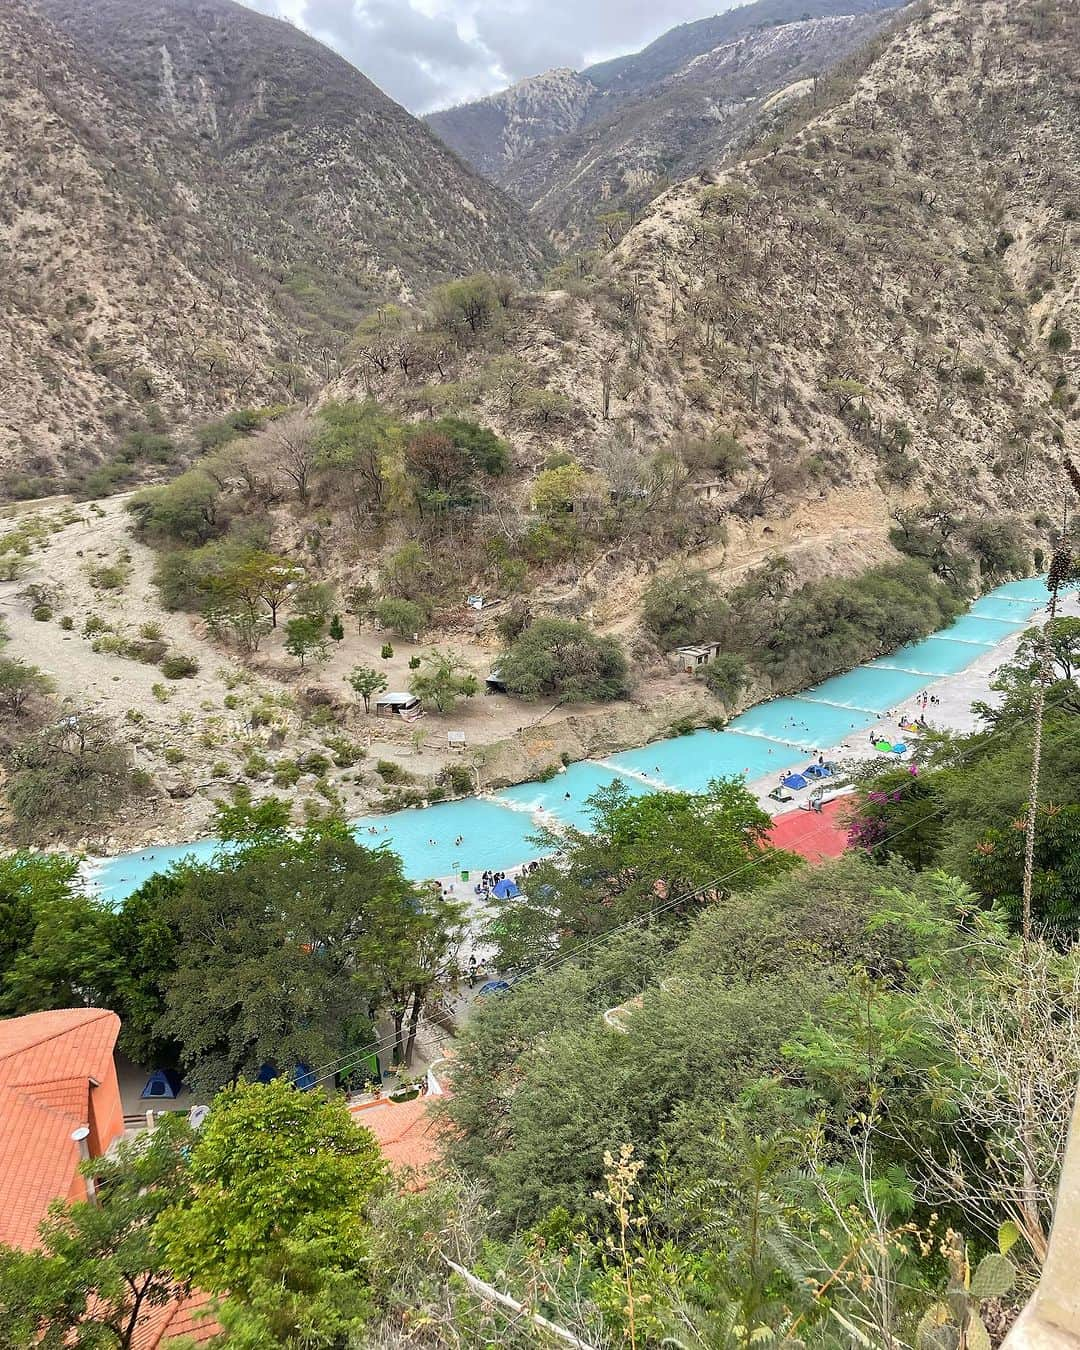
(880, 297)
(203, 202)
(571, 144)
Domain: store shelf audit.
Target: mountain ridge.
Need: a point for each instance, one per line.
(274, 192)
(567, 144)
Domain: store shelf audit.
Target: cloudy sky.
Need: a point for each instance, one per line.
(431, 53)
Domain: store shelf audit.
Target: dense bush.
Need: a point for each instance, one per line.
(829, 626)
(558, 657)
(681, 606)
(71, 772)
(403, 618)
(178, 666)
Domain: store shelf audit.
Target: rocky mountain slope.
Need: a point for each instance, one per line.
(209, 199)
(871, 310)
(570, 144)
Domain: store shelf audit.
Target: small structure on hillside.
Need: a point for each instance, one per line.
(699, 654)
(395, 703)
(455, 740)
(494, 682)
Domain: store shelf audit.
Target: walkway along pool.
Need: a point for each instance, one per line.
(495, 829)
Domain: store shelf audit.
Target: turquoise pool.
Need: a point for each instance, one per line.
(775, 736)
(689, 763)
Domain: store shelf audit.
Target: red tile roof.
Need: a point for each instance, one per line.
(46, 1063)
(812, 835)
(408, 1135)
(183, 1317)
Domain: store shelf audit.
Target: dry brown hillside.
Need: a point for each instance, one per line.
(876, 304)
(199, 203)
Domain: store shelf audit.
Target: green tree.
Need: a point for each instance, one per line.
(304, 640)
(284, 946)
(680, 606)
(997, 869)
(19, 684)
(404, 618)
(55, 950)
(726, 675)
(258, 578)
(672, 851)
(275, 1214)
(468, 306)
(184, 511)
(442, 679)
(559, 657)
(358, 602)
(556, 491)
(337, 628)
(487, 453)
(356, 444)
(1061, 639)
(366, 681)
(73, 771)
(100, 1269)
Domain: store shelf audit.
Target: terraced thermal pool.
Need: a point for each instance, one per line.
(774, 736)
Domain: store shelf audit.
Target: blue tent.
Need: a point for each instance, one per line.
(795, 781)
(163, 1083)
(302, 1076)
(899, 748)
(817, 771)
(505, 889)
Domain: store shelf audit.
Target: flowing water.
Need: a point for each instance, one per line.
(495, 830)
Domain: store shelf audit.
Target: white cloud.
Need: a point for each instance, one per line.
(432, 53)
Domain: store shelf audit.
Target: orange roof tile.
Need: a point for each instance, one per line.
(66, 1043)
(408, 1136)
(182, 1317)
(46, 1062)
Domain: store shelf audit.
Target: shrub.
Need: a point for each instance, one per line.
(286, 773)
(177, 666)
(404, 618)
(148, 651)
(184, 511)
(681, 606)
(555, 656)
(458, 778)
(19, 684)
(346, 753)
(42, 613)
(392, 773)
(487, 453)
(151, 631)
(109, 576)
(67, 623)
(69, 773)
(726, 675)
(112, 644)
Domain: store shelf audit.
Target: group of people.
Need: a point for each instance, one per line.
(489, 879)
